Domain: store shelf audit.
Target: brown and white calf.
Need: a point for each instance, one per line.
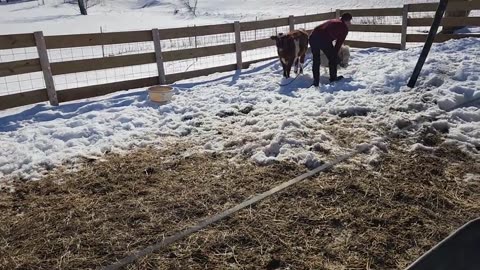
(291, 49)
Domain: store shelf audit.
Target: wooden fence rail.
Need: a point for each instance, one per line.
(19, 67)
(160, 56)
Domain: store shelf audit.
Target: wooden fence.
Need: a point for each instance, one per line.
(50, 69)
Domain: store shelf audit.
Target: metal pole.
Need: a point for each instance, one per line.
(428, 44)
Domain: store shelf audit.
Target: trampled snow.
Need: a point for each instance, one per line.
(247, 113)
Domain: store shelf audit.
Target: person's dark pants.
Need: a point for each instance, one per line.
(317, 44)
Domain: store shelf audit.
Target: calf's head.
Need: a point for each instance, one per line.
(283, 42)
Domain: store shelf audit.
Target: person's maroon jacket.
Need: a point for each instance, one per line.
(332, 30)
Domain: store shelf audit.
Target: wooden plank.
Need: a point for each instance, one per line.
(22, 99)
(314, 17)
(423, 7)
(254, 25)
(368, 44)
(461, 21)
(19, 67)
(46, 69)
(238, 45)
(374, 12)
(60, 68)
(452, 6)
(460, 6)
(198, 73)
(375, 28)
(103, 89)
(171, 78)
(203, 30)
(403, 42)
(447, 21)
(247, 64)
(95, 39)
(439, 37)
(159, 56)
(256, 44)
(17, 41)
(198, 52)
(291, 22)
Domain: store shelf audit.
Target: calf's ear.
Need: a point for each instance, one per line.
(273, 37)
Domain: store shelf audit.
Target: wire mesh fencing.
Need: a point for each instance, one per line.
(261, 34)
(24, 82)
(192, 64)
(101, 76)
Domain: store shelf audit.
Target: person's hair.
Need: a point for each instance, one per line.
(346, 17)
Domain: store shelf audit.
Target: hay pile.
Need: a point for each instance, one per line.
(354, 217)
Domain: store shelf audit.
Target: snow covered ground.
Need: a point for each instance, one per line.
(249, 114)
(55, 17)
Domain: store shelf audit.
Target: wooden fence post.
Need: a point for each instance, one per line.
(159, 56)
(338, 13)
(46, 69)
(291, 22)
(238, 44)
(404, 27)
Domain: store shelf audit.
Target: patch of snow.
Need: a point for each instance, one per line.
(248, 114)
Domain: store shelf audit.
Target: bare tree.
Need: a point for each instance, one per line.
(82, 4)
(192, 6)
(194, 10)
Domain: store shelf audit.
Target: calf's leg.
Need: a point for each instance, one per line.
(296, 65)
(302, 63)
(289, 68)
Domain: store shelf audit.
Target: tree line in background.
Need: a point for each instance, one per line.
(191, 5)
(82, 4)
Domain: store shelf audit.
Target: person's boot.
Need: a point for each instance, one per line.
(332, 68)
(316, 69)
(336, 79)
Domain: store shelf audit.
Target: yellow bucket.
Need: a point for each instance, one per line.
(160, 93)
